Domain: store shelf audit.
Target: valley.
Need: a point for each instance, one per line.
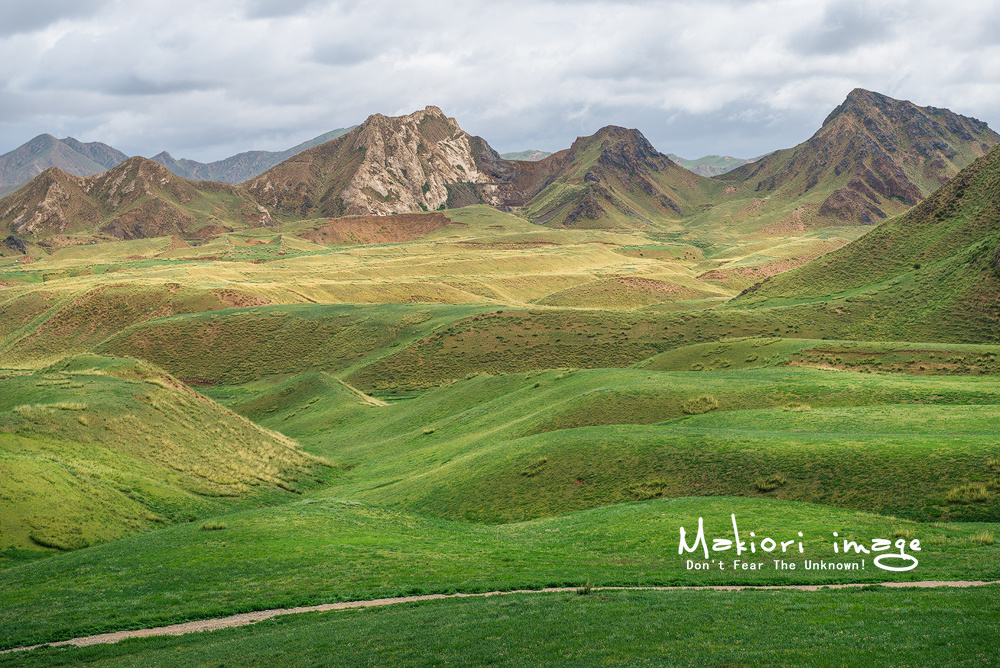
(396, 363)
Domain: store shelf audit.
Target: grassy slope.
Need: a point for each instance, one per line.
(326, 550)
(512, 341)
(95, 448)
(520, 446)
(930, 273)
(892, 357)
(238, 346)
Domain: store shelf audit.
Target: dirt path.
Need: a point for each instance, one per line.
(259, 616)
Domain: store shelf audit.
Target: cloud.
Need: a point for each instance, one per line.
(263, 9)
(24, 17)
(845, 26)
(207, 80)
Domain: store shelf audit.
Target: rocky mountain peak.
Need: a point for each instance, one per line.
(881, 154)
(628, 150)
(401, 164)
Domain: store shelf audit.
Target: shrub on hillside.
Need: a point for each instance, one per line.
(771, 482)
(699, 405)
(974, 492)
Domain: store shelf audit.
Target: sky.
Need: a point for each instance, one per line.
(205, 80)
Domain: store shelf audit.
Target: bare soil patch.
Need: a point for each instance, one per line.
(376, 229)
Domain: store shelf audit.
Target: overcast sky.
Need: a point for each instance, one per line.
(207, 79)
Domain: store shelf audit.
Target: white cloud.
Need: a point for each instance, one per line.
(206, 80)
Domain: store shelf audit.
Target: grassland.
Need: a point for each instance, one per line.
(518, 446)
(191, 429)
(774, 628)
(323, 550)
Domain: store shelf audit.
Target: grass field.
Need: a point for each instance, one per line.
(322, 550)
(680, 628)
(194, 428)
(502, 448)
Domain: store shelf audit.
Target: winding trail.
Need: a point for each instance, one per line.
(248, 618)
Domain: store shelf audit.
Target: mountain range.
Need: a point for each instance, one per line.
(242, 166)
(71, 156)
(873, 157)
(136, 199)
(711, 165)
(74, 157)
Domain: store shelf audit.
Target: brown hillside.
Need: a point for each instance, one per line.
(137, 199)
(612, 178)
(874, 157)
(377, 229)
(54, 202)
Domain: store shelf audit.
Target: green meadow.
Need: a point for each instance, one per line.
(679, 628)
(321, 550)
(191, 429)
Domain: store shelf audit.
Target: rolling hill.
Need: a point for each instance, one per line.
(711, 165)
(96, 448)
(530, 155)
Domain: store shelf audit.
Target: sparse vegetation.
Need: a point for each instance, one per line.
(769, 483)
(213, 526)
(700, 405)
(971, 493)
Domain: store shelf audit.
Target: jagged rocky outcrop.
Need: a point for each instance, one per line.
(386, 165)
(16, 244)
(425, 161)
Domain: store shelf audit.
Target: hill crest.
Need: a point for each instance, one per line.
(72, 156)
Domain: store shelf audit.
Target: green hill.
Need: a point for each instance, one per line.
(931, 274)
(96, 448)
